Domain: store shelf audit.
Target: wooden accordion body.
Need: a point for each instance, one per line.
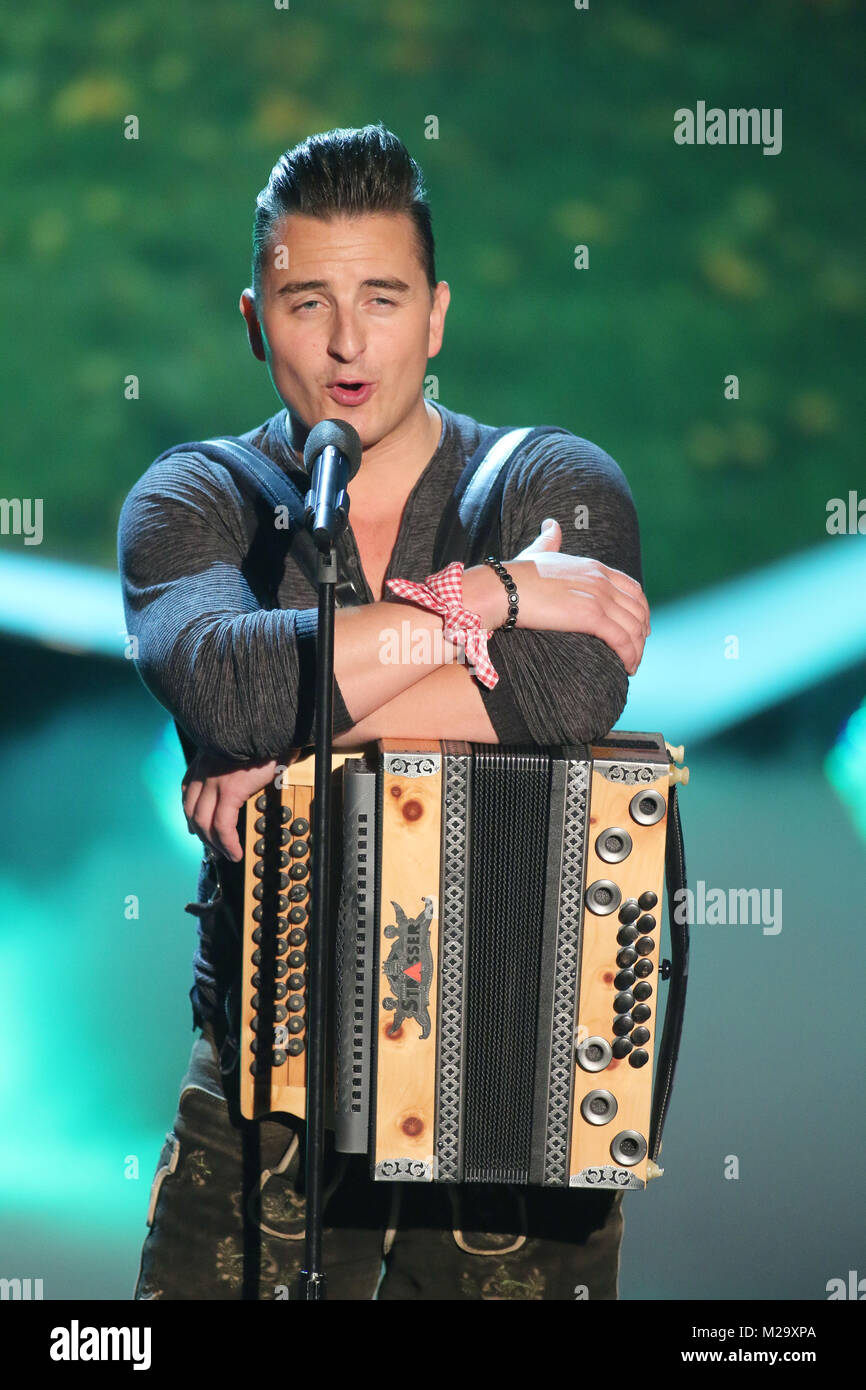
(496, 957)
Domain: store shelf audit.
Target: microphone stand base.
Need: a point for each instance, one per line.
(312, 1288)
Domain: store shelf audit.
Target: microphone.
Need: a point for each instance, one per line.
(332, 456)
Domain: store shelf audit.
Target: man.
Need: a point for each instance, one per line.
(345, 309)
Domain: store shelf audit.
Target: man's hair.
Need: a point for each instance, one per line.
(350, 172)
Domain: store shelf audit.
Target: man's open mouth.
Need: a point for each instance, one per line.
(351, 392)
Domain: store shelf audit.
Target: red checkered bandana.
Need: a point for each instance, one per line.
(443, 593)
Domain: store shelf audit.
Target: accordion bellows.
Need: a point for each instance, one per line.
(496, 957)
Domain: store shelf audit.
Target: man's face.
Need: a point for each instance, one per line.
(345, 304)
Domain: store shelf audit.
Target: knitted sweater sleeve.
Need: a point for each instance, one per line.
(558, 686)
(238, 677)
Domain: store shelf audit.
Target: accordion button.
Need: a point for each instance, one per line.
(625, 980)
(262, 802)
(626, 935)
(643, 968)
(603, 897)
(298, 892)
(638, 1058)
(622, 1003)
(260, 847)
(297, 959)
(280, 1014)
(598, 1107)
(630, 911)
(295, 1047)
(261, 825)
(628, 1147)
(613, 845)
(257, 936)
(646, 923)
(297, 937)
(647, 900)
(296, 1002)
(645, 946)
(626, 958)
(279, 1058)
(256, 957)
(298, 871)
(621, 1048)
(623, 1025)
(279, 990)
(295, 982)
(285, 814)
(298, 849)
(296, 1025)
(642, 990)
(300, 826)
(280, 969)
(297, 914)
(593, 1054)
(640, 1036)
(280, 947)
(641, 1012)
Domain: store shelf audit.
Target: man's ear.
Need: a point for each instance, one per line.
(441, 300)
(247, 307)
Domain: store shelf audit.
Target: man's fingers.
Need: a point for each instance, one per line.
(224, 831)
(635, 604)
(191, 793)
(615, 625)
(202, 817)
(549, 537)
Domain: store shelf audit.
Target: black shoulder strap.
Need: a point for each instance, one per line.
(258, 475)
(469, 528)
(675, 875)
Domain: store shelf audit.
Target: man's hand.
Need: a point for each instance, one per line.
(214, 792)
(565, 593)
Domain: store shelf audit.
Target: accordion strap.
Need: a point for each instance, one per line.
(259, 476)
(470, 524)
(675, 876)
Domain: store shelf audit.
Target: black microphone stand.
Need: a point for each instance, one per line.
(326, 522)
(312, 1283)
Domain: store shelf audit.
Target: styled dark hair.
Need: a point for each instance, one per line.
(349, 171)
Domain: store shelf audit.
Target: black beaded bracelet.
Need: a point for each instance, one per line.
(513, 597)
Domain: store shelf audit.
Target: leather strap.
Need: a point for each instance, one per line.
(255, 473)
(470, 524)
(675, 875)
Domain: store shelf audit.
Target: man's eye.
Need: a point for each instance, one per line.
(380, 299)
(308, 304)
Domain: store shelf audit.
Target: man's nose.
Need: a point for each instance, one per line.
(347, 339)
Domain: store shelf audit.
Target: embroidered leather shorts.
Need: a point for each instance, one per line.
(227, 1207)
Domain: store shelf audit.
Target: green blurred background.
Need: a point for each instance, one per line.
(128, 256)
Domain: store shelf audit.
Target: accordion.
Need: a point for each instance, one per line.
(495, 1001)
